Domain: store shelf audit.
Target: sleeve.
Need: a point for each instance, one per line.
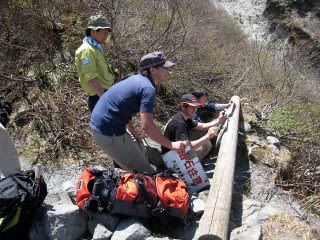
(209, 106)
(148, 99)
(88, 65)
(220, 106)
(215, 106)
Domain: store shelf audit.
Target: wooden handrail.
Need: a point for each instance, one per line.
(215, 219)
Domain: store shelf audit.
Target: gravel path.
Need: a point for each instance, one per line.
(57, 180)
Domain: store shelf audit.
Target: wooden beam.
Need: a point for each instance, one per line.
(215, 219)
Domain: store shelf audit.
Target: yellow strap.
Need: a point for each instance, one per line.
(13, 221)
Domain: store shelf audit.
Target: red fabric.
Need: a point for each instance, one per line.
(172, 193)
(127, 189)
(83, 194)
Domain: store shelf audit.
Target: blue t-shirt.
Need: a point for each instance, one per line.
(121, 102)
(208, 106)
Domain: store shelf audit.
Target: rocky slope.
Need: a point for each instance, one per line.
(290, 28)
(298, 23)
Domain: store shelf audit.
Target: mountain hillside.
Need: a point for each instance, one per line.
(297, 22)
(46, 108)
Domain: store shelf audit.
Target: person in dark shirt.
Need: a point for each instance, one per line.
(179, 126)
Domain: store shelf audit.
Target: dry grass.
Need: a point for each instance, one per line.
(287, 227)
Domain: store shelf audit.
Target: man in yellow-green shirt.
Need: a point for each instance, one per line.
(95, 73)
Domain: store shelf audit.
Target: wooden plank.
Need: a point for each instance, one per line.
(215, 220)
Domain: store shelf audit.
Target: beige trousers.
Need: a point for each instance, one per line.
(126, 152)
(205, 148)
(9, 159)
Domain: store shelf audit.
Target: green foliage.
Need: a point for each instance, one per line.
(297, 119)
(167, 102)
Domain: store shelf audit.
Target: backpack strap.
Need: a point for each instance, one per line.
(132, 197)
(9, 196)
(104, 186)
(147, 189)
(8, 221)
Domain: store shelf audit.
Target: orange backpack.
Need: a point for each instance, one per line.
(172, 211)
(134, 196)
(161, 201)
(127, 189)
(84, 187)
(161, 198)
(94, 188)
(172, 193)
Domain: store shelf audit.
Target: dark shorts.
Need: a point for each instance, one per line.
(92, 101)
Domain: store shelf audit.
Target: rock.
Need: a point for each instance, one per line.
(271, 155)
(158, 238)
(250, 208)
(203, 195)
(37, 230)
(261, 154)
(254, 139)
(64, 222)
(101, 233)
(130, 229)
(197, 205)
(284, 161)
(248, 115)
(247, 232)
(68, 186)
(274, 141)
(274, 149)
(247, 127)
(105, 219)
(268, 211)
(58, 198)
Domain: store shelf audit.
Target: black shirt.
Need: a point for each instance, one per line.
(178, 129)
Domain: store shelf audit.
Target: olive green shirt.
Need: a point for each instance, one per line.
(90, 64)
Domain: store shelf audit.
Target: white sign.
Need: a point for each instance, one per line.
(188, 167)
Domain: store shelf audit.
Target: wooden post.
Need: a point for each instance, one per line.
(215, 220)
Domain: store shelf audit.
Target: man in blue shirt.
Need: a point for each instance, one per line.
(112, 115)
(202, 97)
